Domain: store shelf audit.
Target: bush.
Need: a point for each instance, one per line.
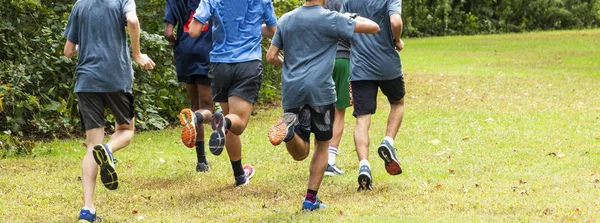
(36, 82)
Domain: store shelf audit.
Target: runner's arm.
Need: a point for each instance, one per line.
(134, 33)
(268, 31)
(273, 56)
(195, 28)
(364, 25)
(70, 49)
(168, 33)
(396, 22)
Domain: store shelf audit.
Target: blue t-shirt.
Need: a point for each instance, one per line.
(309, 36)
(191, 54)
(374, 56)
(236, 27)
(103, 63)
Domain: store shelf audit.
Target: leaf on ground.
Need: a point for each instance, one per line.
(577, 210)
(134, 211)
(595, 181)
(341, 213)
(84, 145)
(466, 138)
(523, 192)
(264, 205)
(438, 186)
(547, 211)
(451, 171)
(440, 153)
(477, 186)
(521, 181)
(147, 197)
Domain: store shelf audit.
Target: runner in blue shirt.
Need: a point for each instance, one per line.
(191, 63)
(235, 69)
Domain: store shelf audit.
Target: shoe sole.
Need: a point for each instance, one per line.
(364, 182)
(217, 138)
(188, 132)
(392, 165)
(108, 175)
(279, 131)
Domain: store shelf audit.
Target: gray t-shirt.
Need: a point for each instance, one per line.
(98, 27)
(343, 47)
(374, 56)
(309, 35)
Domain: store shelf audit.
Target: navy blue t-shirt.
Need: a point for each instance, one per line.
(191, 54)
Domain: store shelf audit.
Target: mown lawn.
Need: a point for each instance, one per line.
(497, 128)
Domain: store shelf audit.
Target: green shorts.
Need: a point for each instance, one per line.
(341, 73)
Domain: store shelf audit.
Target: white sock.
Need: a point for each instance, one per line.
(332, 153)
(389, 140)
(364, 162)
(93, 211)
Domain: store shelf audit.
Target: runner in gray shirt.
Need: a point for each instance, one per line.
(309, 36)
(96, 33)
(375, 64)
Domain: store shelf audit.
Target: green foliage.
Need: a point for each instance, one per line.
(460, 17)
(36, 80)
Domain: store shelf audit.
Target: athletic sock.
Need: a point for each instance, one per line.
(199, 118)
(200, 153)
(238, 170)
(389, 140)
(227, 123)
(332, 153)
(363, 163)
(93, 211)
(311, 195)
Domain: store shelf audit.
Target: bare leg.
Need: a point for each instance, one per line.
(122, 136)
(238, 111)
(338, 127)
(361, 136)
(395, 119)
(318, 165)
(89, 168)
(298, 148)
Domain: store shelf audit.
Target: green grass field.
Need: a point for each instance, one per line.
(497, 128)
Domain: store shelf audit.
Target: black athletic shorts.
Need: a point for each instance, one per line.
(92, 105)
(239, 79)
(315, 119)
(364, 94)
(195, 79)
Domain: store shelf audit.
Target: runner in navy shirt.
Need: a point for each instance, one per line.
(191, 62)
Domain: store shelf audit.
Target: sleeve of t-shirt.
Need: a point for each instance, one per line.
(344, 26)
(72, 29)
(395, 7)
(128, 6)
(277, 41)
(169, 16)
(269, 15)
(344, 6)
(204, 12)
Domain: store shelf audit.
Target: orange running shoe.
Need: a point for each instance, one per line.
(187, 118)
(283, 130)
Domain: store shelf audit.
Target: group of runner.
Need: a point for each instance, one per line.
(218, 58)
